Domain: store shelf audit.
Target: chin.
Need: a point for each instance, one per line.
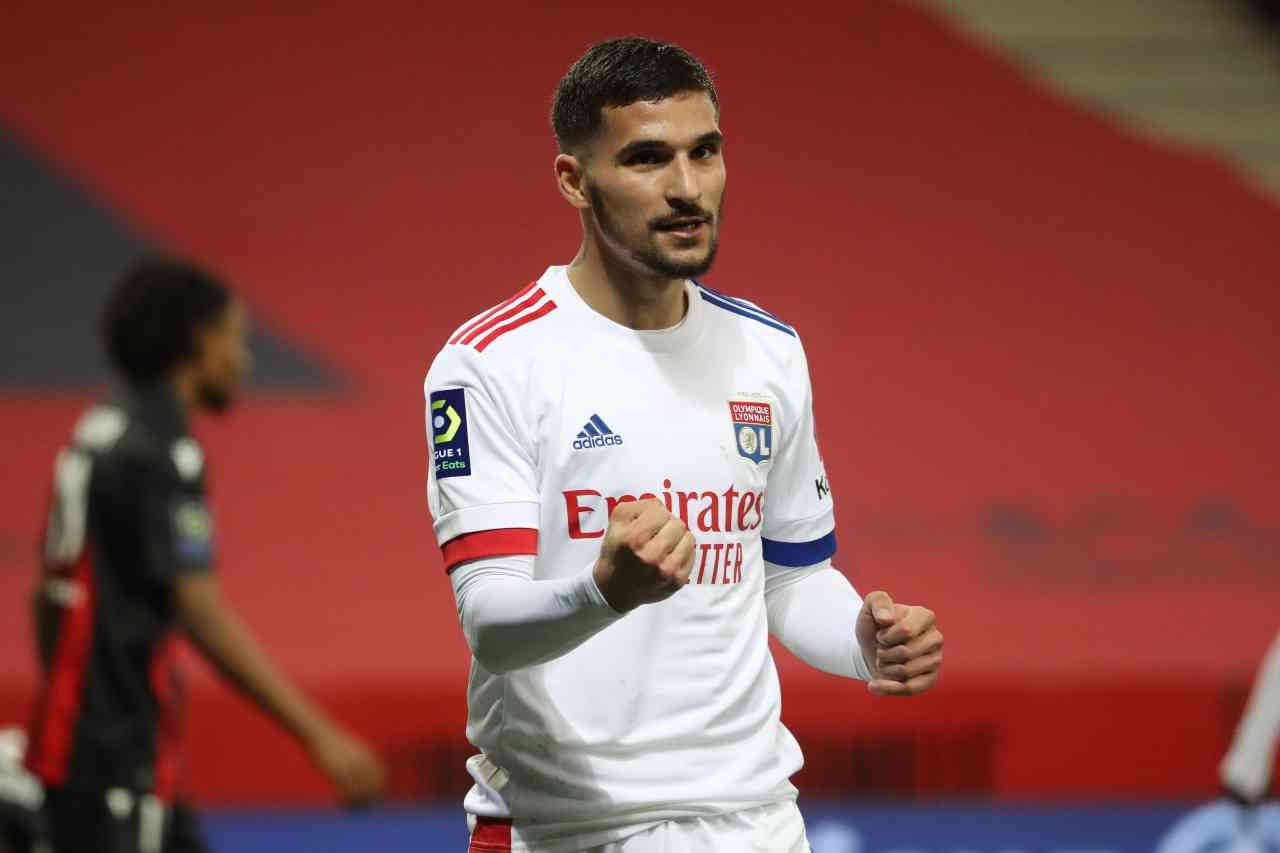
(686, 267)
(216, 400)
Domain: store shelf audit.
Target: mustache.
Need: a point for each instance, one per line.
(691, 214)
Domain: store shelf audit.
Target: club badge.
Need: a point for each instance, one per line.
(752, 429)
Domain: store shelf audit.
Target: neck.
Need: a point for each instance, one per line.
(627, 297)
(183, 384)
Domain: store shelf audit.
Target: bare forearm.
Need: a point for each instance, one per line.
(1246, 769)
(227, 643)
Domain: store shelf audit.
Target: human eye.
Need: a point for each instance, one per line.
(646, 157)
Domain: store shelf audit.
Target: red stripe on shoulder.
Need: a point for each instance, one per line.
(522, 305)
(543, 310)
(471, 324)
(492, 835)
(503, 542)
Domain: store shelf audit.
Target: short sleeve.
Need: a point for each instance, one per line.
(176, 525)
(482, 481)
(799, 522)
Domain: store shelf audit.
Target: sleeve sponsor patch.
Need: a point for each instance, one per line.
(450, 449)
(192, 531)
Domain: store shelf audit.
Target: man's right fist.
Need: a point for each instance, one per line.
(646, 556)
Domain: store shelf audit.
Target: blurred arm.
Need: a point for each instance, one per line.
(813, 611)
(1246, 769)
(227, 644)
(512, 621)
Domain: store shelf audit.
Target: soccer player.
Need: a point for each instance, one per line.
(628, 494)
(128, 555)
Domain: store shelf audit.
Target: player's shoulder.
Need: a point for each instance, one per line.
(753, 320)
(119, 439)
(101, 427)
(502, 337)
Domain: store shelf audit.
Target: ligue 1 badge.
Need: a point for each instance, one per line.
(752, 429)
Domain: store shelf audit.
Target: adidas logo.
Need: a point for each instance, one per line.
(596, 433)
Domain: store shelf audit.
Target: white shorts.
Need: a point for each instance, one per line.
(775, 828)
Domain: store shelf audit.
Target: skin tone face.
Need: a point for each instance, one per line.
(649, 187)
(213, 379)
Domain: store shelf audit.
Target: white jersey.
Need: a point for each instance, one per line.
(543, 415)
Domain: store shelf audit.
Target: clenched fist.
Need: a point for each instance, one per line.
(646, 556)
(901, 644)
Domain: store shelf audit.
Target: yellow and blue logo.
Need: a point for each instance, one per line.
(450, 447)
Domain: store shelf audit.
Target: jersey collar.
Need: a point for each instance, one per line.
(684, 334)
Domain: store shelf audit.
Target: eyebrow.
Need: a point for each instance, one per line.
(708, 138)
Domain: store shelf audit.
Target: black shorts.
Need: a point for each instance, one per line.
(120, 821)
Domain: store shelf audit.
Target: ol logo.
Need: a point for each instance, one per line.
(752, 429)
(450, 447)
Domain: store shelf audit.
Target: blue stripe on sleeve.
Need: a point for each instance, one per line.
(795, 554)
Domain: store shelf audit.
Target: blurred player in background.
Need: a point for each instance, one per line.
(1242, 821)
(128, 558)
(1246, 769)
(628, 493)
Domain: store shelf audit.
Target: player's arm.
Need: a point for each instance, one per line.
(819, 617)
(813, 612)
(177, 556)
(512, 621)
(484, 499)
(813, 609)
(1246, 769)
(220, 636)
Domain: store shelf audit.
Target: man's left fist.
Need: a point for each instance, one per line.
(901, 644)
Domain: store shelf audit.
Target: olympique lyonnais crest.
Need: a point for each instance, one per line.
(752, 429)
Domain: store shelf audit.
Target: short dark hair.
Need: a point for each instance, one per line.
(151, 320)
(619, 72)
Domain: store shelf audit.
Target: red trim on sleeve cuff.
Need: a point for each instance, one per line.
(504, 542)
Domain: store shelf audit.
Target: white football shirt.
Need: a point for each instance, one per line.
(542, 416)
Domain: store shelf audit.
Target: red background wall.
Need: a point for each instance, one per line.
(1043, 352)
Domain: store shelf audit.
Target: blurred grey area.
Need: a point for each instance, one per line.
(1202, 73)
(60, 251)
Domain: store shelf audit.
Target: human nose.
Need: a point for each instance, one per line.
(685, 184)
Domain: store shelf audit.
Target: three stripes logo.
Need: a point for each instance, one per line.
(596, 433)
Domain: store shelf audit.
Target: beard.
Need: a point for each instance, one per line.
(214, 398)
(651, 256)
